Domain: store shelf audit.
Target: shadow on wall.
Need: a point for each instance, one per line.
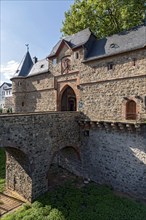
(117, 158)
(20, 157)
(18, 172)
(68, 158)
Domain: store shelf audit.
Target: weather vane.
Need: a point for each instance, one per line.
(27, 45)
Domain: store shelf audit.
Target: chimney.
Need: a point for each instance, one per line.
(35, 59)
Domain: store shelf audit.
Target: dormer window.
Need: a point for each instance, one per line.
(42, 66)
(110, 66)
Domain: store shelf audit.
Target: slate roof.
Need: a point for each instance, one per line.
(96, 48)
(39, 67)
(73, 41)
(24, 67)
(118, 43)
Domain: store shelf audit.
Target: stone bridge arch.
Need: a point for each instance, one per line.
(18, 172)
(30, 141)
(67, 157)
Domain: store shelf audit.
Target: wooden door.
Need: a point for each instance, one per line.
(131, 110)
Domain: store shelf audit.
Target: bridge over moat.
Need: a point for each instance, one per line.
(31, 142)
(111, 153)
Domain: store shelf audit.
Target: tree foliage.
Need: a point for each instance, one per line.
(103, 17)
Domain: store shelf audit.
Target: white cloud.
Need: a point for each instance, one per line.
(8, 70)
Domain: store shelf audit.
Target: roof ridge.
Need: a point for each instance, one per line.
(74, 40)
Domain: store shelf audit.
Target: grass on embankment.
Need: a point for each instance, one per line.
(90, 202)
(2, 169)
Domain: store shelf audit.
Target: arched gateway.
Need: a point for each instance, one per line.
(68, 100)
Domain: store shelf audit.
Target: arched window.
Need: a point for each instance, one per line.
(131, 110)
(68, 100)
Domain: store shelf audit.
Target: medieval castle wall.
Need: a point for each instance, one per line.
(113, 151)
(101, 93)
(103, 90)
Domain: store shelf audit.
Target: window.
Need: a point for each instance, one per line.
(42, 66)
(22, 103)
(131, 110)
(54, 61)
(134, 61)
(76, 55)
(110, 66)
(19, 83)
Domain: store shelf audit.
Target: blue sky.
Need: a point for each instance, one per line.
(35, 22)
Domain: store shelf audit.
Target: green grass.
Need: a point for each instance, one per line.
(91, 202)
(2, 169)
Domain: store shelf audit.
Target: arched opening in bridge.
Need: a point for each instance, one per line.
(68, 100)
(65, 166)
(18, 173)
(131, 110)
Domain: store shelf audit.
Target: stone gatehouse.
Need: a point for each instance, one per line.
(103, 81)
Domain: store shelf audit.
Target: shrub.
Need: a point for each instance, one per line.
(37, 204)
(55, 214)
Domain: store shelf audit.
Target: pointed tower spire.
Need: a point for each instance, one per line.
(25, 65)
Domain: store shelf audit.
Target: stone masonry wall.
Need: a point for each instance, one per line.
(116, 158)
(108, 153)
(129, 64)
(18, 176)
(31, 141)
(100, 92)
(112, 154)
(105, 100)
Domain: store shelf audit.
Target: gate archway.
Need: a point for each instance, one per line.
(65, 165)
(68, 100)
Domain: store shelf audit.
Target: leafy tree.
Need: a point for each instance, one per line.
(103, 17)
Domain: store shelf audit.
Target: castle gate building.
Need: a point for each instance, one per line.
(100, 85)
